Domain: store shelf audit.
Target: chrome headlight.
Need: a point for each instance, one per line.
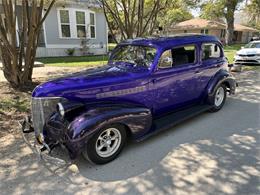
(61, 109)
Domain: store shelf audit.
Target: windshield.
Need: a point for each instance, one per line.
(253, 45)
(137, 56)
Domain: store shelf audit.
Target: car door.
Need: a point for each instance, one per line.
(175, 82)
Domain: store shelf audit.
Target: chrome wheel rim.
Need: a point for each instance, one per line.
(108, 142)
(219, 97)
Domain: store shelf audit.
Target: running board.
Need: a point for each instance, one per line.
(174, 118)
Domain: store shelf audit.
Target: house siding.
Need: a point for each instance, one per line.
(52, 45)
(57, 46)
(244, 37)
(242, 34)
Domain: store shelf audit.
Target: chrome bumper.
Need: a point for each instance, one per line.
(37, 143)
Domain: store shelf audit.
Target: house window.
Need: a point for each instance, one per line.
(74, 23)
(65, 23)
(223, 33)
(204, 31)
(81, 24)
(92, 26)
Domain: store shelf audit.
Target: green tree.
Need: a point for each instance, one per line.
(253, 11)
(137, 18)
(133, 18)
(216, 9)
(18, 55)
(174, 16)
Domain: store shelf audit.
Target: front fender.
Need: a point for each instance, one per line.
(137, 119)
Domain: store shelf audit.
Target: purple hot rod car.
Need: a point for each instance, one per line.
(148, 85)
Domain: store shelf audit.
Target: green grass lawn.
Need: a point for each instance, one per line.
(230, 51)
(71, 61)
(78, 61)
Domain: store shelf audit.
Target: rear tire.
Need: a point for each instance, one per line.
(106, 144)
(219, 98)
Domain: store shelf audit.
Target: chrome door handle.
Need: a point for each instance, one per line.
(154, 80)
(198, 72)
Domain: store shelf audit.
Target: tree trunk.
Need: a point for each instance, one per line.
(231, 7)
(230, 30)
(18, 59)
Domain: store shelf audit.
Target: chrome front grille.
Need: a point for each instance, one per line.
(41, 109)
(247, 55)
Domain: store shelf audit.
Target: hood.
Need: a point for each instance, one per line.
(91, 78)
(249, 51)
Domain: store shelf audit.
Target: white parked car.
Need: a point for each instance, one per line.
(248, 55)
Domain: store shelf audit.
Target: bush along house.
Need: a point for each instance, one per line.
(73, 27)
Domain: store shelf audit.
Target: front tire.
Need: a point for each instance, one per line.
(219, 98)
(106, 144)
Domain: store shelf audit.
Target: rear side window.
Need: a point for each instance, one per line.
(211, 51)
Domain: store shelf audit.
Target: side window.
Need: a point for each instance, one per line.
(210, 51)
(166, 60)
(184, 55)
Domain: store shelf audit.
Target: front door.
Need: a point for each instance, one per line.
(176, 81)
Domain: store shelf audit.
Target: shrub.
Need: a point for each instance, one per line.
(70, 51)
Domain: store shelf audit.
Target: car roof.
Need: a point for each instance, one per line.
(165, 42)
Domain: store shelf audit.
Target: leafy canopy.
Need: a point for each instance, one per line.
(253, 11)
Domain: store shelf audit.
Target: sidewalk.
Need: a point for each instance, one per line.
(36, 64)
(47, 72)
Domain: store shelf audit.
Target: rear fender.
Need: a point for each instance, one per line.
(221, 77)
(138, 120)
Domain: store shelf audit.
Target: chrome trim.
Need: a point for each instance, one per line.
(37, 149)
(41, 109)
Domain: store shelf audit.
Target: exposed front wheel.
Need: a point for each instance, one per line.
(219, 98)
(105, 145)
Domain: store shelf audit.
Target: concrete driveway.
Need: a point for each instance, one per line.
(210, 154)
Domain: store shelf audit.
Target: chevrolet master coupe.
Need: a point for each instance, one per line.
(148, 85)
